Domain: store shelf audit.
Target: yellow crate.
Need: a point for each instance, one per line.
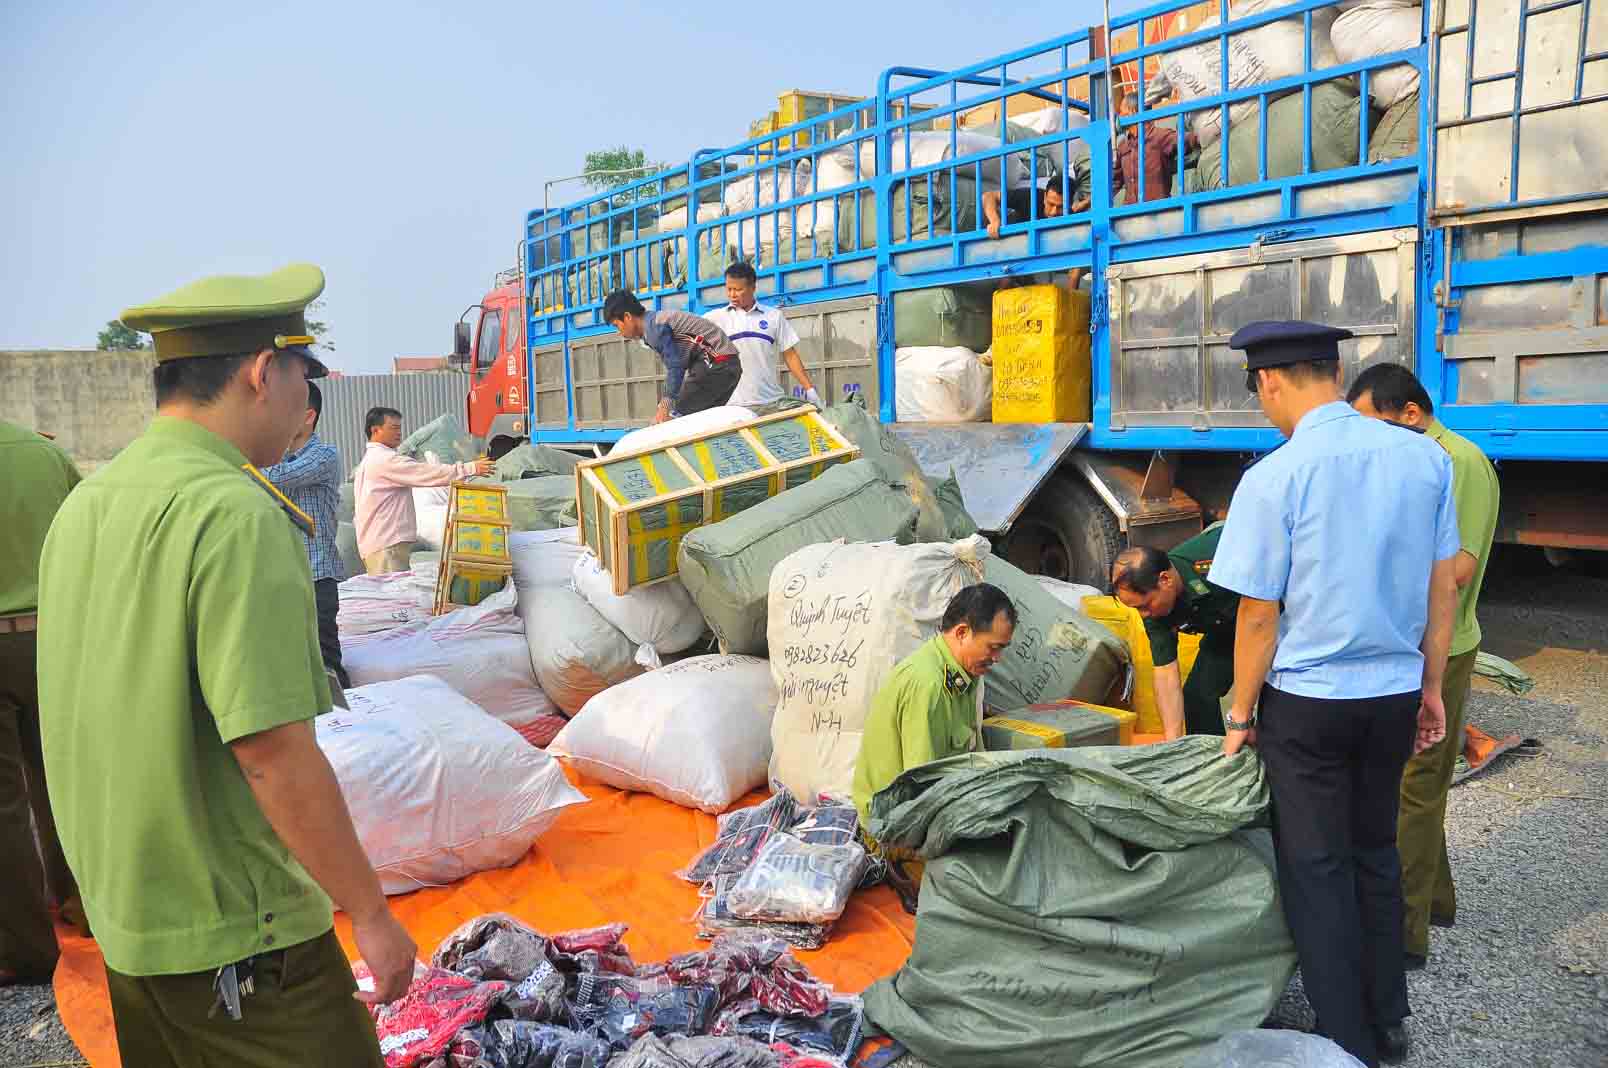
(481, 541)
(1129, 625)
(478, 501)
(636, 507)
(1042, 369)
(1126, 719)
(464, 583)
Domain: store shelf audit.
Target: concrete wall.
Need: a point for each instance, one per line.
(93, 402)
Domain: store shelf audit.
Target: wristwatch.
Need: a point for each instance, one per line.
(1226, 706)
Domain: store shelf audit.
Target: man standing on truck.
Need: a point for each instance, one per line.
(1344, 622)
(1390, 391)
(1160, 138)
(701, 365)
(382, 487)
(310, 475)
(35, 478)
(764, 339)
(1170, 590)
(179, 674)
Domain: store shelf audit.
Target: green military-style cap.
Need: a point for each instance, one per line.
(231, 314)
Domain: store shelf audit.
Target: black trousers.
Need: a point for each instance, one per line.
(327, 595)
(1334, 768)
(708, 384)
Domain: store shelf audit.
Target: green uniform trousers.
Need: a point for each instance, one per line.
(1210, 678)
(301, 1014)
(1426, 873)
(27, 939)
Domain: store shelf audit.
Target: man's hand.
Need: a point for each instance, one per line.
(483, 465)
(1431, 722)
(661, 414)
(993, 228)
(1234, 741)
(388, 950)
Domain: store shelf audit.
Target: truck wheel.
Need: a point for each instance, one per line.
(1067, 533)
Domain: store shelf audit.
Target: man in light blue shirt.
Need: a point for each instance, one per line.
(1342, 546)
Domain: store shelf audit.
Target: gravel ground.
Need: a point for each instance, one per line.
(1522, 980)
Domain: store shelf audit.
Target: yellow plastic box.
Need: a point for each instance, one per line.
(1128, 625)
(1062, 725)
(1042, 371)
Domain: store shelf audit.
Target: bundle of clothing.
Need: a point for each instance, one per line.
(781, 870)
(498, 994)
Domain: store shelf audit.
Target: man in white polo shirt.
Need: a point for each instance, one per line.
(762, 334)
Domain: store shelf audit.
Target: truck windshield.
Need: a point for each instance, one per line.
(490, 340)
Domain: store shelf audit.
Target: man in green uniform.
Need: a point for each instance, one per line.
(1390, 391)
(35, 478)
(1169, 589)
(928, 707)
(179, 672)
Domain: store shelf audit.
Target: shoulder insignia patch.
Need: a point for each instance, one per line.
(303, 521)
(954, 681)
(1203, 566)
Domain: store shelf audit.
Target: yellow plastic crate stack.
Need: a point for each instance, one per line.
(1042, 370)
(475, 562)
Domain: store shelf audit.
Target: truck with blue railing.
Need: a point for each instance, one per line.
(1433, 178)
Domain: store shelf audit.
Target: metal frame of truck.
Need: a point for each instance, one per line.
(1481, 261)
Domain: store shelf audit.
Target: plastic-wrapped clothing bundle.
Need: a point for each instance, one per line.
(523, 1044)
(796, 882)
(751, 974)
(715, 919)
(837, 825)
(1273, 1049)
(497, 946)
(738, 837)
(651, 1051)
(836, 1032)
(422, 1023)
(680, 1010)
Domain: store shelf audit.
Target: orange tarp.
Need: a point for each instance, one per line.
(610, 860)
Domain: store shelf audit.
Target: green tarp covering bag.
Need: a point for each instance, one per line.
(958, 522)
(726, 566)
(895, 462)
(442, 440)
(544, 503)
(1084, 907)
(1335, 119)
(944, 316)
(534, 461)
(1056, 653)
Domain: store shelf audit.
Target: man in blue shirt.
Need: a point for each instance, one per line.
(310, 475)
(701, 365)
(1342, 544)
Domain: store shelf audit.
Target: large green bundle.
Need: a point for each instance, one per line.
(1395, 135)
(443, 438)
(533, 461)
(944, 316)
(1334, 139)
(1057, 652)
(726, 566)
(958, 522)
(543, 503)
(1093, 906)
(894, 462)
(930, 213)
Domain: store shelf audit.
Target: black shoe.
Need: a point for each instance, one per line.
(1436, 920)
(1415, 962)
(1393, 1043)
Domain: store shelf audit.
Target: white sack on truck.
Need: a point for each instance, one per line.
(1374, 29)
(660, 618)
(696, 425)
(1263, 54)
(696, 732)
(480, 652)
(942, 385)
(577, 653)
(437, 789)
(841, 617)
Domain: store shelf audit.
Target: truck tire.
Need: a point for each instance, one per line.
(1067, 533)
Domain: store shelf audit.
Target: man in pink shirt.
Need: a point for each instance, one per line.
(383, 487)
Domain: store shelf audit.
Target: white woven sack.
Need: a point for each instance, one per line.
(942, 384)
(659, 619)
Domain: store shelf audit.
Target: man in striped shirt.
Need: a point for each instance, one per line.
(701, 365)
(310, 475)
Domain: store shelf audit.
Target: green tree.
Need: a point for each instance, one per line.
(119, 337)
(318, 327)
(602, 166)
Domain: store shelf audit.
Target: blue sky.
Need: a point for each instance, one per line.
(396, 145)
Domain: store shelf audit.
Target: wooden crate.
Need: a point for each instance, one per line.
(635, 508)
(478, 501)
(477, 541)
(465, 583)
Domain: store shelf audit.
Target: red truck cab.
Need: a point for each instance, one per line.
(496, 359)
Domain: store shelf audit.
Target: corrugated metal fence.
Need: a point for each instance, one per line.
(419, 397)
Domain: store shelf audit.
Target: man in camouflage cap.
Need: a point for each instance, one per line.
(179, 672)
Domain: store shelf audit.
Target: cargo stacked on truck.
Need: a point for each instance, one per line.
(1431, 178)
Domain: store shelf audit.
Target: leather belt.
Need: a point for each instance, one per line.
(19, 624)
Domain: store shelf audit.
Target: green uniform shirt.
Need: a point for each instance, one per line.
(1202, 608)
(925, 711)
(1477, 495)
(175, 616)
(35, 477)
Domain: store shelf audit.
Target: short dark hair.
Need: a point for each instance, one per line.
(198, 379)
(977, 606)
(315, 401)
(376, 418)
(1300, 373)
(743, 272)
(1139, 568)
(620, 303)
(1391, 387)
